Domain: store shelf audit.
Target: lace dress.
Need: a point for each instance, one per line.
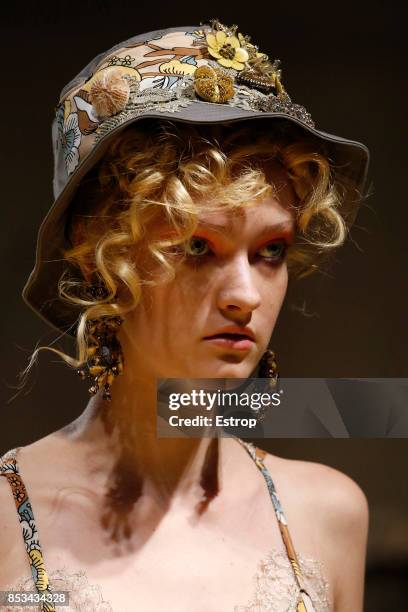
(285, 580)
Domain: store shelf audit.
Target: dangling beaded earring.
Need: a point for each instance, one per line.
(104, 354)
(268, 368)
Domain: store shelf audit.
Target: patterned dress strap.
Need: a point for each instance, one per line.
(10, 470)
(305, 603)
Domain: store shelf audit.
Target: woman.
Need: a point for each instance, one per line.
(177, 218)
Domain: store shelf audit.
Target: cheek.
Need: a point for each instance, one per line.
(168, 311)
(274, 292)
(282, 284)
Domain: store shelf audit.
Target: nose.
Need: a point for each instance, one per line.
(238, 289)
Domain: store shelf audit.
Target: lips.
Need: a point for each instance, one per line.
(233, 332)
(230, 336)
(231, 341)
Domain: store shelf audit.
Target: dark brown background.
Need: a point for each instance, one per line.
(346, 63)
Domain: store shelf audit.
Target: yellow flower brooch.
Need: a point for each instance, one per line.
(246, 65)
(227, 50)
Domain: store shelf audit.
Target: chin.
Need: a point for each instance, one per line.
(229, 370)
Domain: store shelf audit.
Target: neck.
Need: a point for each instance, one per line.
(122, 438)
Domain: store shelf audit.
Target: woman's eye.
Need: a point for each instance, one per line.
(273, 251)
(197, 246)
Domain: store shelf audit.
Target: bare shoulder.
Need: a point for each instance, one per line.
(327, 512)
(324, 493)
(32, 461)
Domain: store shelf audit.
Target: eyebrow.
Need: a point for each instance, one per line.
(284, 226)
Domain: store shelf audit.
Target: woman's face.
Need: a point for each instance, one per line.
(235, 276)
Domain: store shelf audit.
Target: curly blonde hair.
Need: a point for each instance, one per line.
(158, 172)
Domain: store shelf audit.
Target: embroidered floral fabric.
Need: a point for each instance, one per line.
(9, 469)
(285, 581)
(83, 596)
(276, 591)
(274, 588)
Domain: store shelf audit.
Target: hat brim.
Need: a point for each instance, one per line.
(349, 158)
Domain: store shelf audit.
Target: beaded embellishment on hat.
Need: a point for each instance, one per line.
(215, 65)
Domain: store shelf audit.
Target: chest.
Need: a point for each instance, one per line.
(172, 560)
(175, 561)
(172, 583)
(229, 587)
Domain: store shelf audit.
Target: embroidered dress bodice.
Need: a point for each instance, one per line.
(285, 581)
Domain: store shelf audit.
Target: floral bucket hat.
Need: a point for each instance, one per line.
(199, 74)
